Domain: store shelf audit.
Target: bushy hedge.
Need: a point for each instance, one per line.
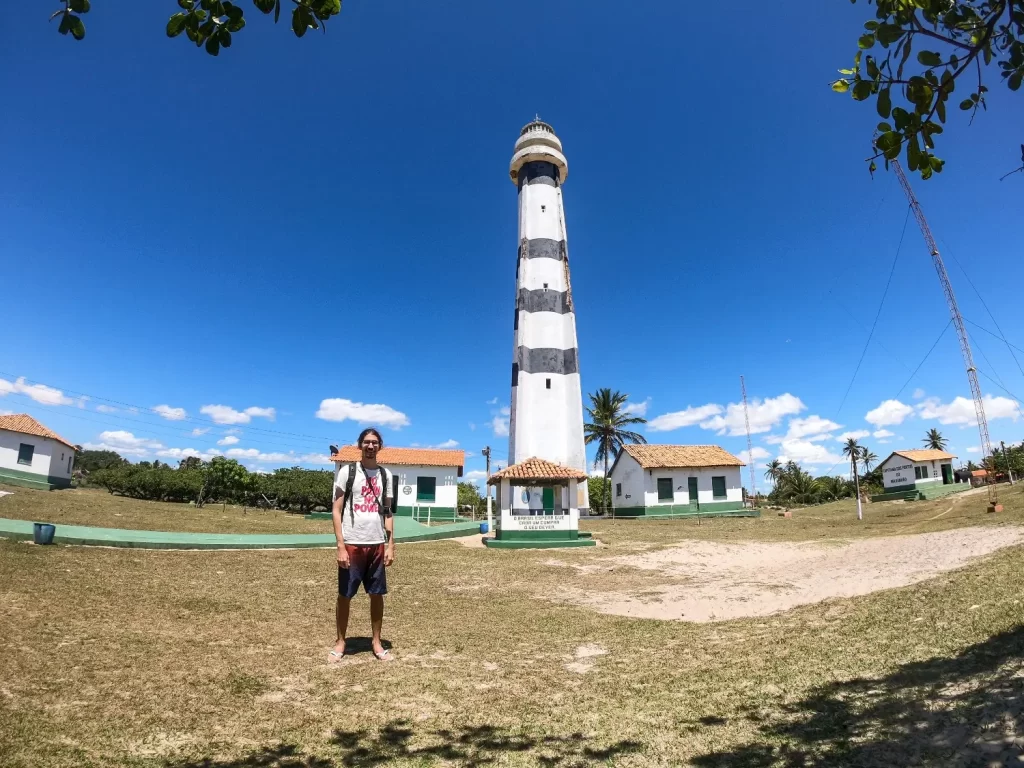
(220, 480)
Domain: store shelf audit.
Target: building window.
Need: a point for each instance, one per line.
(426, 489)
(25, 452)
(618, 489)
(547, 383)
(921, 473)
(718, 487)
(70, 459)
(664, 489)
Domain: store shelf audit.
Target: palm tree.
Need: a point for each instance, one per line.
(801, 488)
(609, 419)
(836, 487)
(934, 439)
(853, 450)
(774, 471)
(867, 458)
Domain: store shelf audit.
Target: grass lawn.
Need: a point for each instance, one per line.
(218, 659)
(96, 507)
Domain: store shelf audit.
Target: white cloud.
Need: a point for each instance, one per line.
(974, 449)
(764, 414)
(637, 409)
(961, 410)
(124, 443)
(315, 458)
(6, 413)
(447, 444)
(506, 411)
(223, 414)
(812, 425)
(806, 452)
(472, 427)
(169, 413)
(880, 433)
(198, 431)
(81, 401)
(888, 412)
(41, 393)
(493, 401)
(476, 476)
(918, 393)
(340, 409)
(183, 453)
(228, 440)
(106, 409)
(857, 434)
(686, 418)
(756, 454)
(257, 455)
(500, 426)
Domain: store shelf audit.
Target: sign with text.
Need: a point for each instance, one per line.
(898, 474)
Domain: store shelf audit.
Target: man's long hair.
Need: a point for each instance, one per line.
(368, 431)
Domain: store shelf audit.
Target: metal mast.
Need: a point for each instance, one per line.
(961, 331)
(750, 448)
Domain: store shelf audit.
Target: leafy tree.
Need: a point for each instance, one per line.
(89, 461)
(210, 24)
(598, 488)
(867, 458)
(190, 462)
(774, 471)
(607, 429)
(911, 93)
(469, 496)
(853, 451)
(835, 487)
(222, 479)
(934, 439)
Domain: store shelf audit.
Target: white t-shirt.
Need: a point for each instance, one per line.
(361, 520)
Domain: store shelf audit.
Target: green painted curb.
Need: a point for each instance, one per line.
(408, 531)
(537, 543)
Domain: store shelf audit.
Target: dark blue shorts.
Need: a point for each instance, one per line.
(366, 567)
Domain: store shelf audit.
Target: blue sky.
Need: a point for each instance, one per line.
(241, 239)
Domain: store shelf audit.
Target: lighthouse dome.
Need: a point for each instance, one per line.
(537, 142)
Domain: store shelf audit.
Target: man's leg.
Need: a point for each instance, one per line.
(377, 621)
(341, 620)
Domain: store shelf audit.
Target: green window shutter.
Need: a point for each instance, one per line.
(718, 487)
(25, 452)
(664, 489)
(426, 489)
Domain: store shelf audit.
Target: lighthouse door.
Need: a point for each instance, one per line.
(548, 500)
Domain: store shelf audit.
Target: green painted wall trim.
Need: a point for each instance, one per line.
(504, 535)
(900, 488)
(32, 480)
(685, 510)
(536, 543)
(436, 513)
(913, 495)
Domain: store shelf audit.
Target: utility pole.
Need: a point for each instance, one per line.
(961, 332)
(487, 455)
(750, 449)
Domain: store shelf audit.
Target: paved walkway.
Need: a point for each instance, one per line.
(406, 530)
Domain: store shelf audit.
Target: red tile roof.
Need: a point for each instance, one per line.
(423, 457)
(22, 422)
(924, 454)
(664, 456)
(536, 469)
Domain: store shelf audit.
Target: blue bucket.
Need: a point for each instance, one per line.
(484, 528)
(42, 533)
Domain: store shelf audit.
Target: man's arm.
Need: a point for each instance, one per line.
(336, 512)
(389, 533)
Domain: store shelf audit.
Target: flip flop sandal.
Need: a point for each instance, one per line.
(335, 656)
(384, 655)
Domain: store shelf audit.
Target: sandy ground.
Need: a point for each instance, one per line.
(706, 581)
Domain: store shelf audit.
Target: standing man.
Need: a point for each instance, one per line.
(364, 527)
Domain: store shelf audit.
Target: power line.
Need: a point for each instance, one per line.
(986, 330)
(878, 313)
(911, 377)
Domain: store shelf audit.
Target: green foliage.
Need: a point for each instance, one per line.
(210, 23)
(607, 428)
(220, 480)
(933, 439)
(469, 496)
(970, 35)
(795, 486)
(599, 489)
(90, 461)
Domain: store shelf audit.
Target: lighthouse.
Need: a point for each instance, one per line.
(546, 420)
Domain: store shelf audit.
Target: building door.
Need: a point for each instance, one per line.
(947, 474)
(691, 485)
(547, 500)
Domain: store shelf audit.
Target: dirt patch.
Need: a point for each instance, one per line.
(707, 581)
(584, 658)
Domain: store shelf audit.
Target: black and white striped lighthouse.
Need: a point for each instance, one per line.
(547, 402)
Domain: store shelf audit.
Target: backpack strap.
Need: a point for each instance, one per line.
(348, 486)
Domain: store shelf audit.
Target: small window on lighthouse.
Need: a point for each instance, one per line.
(545, 285)
(547, 383)
(543, 208)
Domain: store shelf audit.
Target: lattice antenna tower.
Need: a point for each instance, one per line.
(750, 447)
(961, 331)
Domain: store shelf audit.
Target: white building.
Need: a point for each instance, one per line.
(425, 479)
(917, 470)
(652, 480)
(32, 455)
(546, 419)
